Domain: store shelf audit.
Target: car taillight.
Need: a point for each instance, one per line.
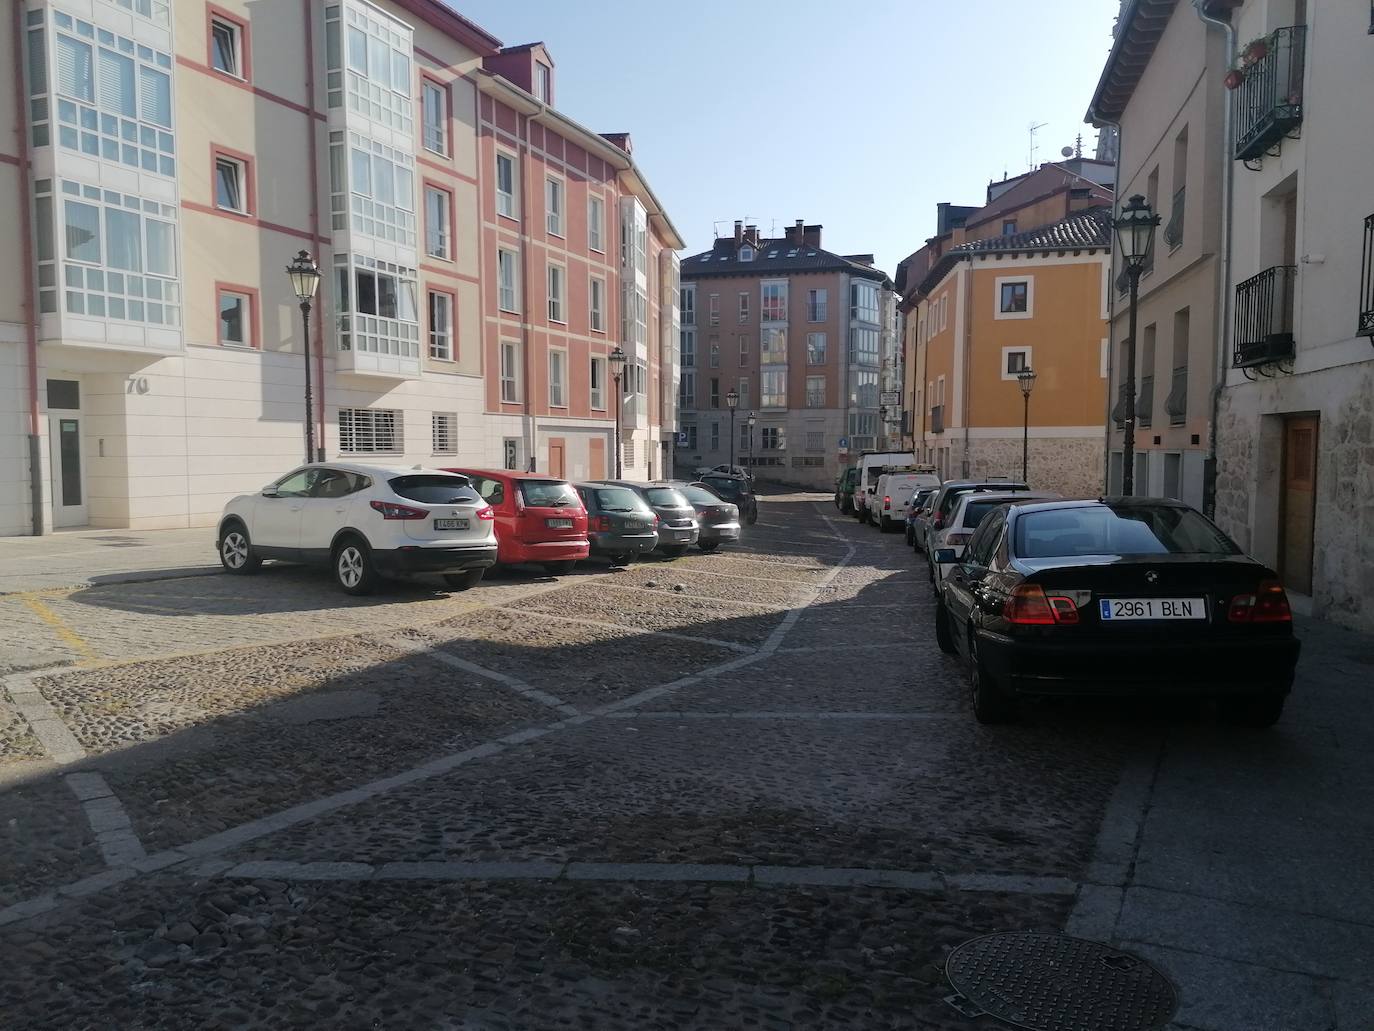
(390, 510)
(938, 523)
(1267, 605)
(1029, 605)
(486, 513)
(887, 502)
(601, 523)
(953, 539)
(656, 522)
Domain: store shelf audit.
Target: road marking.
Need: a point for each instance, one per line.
(434, 651)
(53, 734)
(630, 630)
(109, 821)
(66, 634)
(669, 593)
(691, 714)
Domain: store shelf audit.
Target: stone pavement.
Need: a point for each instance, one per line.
(81, 558)
(733, 790)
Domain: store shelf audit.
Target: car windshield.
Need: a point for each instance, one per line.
(666, 497)
(1123, 530)
(618, 499)
(433, 489)
(699, 496)
(547, 493)
(730, 490)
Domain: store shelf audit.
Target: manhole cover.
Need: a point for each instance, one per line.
(1051, 982)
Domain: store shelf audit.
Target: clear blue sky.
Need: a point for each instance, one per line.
(857, 116)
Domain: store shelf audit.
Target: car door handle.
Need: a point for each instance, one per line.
(341, 509)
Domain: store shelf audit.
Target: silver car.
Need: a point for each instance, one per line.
(678, 528)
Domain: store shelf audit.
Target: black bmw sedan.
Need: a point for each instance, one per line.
(1115, 596)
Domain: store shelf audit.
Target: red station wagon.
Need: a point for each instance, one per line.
(539, 518)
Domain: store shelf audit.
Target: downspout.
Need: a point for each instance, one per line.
(526, 241)
(317, 337)
(1209, 466)
(967, 464)
(925, 382)
(1111, 316)
(30, 305)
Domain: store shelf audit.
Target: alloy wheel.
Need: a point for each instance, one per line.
(234, 548)
(350, 566)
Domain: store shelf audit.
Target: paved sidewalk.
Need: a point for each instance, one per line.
(84, 558)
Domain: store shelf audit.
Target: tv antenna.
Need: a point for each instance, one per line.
(1031, 130)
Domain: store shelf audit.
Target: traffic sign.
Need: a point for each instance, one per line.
(844, 443)
(682, 437)
(889, 398)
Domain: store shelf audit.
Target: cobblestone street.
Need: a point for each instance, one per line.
(736, 790)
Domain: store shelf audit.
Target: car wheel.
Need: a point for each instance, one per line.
(708, 545)
(560, 568)
(910, 538)
(236, 553)
(1257, 710)
(990, 703)
(463, 581)
(885, 525)
(353, 567)
(943, 636)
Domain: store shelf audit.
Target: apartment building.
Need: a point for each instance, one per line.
(1161, 89)
(482, 256)
(799, 334)
(1018, 283)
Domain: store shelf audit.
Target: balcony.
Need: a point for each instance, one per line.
(1264, 317)
(1367, 281)
(1119, 409)
(1267, 105)
(1145, 403)
(937, 419)
(1173, 232)
(1176, 404)
(376, 347)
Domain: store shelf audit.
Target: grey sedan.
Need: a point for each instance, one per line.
(717, 518)
(677, 519)
(620, 523)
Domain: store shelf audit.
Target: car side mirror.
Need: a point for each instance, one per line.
(945, 556)
(270, 492)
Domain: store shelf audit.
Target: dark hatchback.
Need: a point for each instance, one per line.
(620, 524)
(1115, 596)
(737, 491)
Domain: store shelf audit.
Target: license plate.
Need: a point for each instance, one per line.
(450, 524)
(1120, 609)
(639, 526)
(560, 524)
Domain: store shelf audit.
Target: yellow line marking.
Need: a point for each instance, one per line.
(68, 636)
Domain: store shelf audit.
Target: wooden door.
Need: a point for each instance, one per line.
(556, 465)
(1299, 502)
(597, 458)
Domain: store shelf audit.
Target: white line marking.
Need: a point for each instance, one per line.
(733, 646)
(53, 734)
(114, 831)
(434, 651)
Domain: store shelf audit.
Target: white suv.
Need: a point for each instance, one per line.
(364, 522)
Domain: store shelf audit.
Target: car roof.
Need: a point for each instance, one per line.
(1018, 498)
(508, 474)
(1102, 502)
(364, 469)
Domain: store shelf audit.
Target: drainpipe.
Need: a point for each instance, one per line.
(1111, 315)
(316, 339)
(28, 263)
(967, 464)
(526, 241)
(1209, 468)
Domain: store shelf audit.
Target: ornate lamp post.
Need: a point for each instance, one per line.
(751, 422)
(732, 402)
(305, 280)
(617, 360)
(1135, 234)
(1026, 378)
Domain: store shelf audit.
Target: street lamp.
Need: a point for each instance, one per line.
(751, 422)
(1135, 235)
(305, 280)
(732, 402)
(1026, 378)
(617, 360)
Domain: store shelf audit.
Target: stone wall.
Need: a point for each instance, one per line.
(1237, 435)
(1071, 466)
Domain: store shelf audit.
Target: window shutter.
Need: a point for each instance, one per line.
(155, 96)
(74, 76)
(117, 83)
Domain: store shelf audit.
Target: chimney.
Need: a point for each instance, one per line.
(794, 234)
(739, 232)
(751, 236)
(811, 236)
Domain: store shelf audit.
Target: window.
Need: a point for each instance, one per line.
(441, 325)
(380, 314)
(815, 349)
(743, 349)
(715, 436)
(715, 392)
(715, 353)
(1014, 361)
(543, 82)
(773, 388)
(444, 428)
(556, 277)
(815, 391)
(598, 384)
(375, 64)
(119, 255)
(687, 390)
(715, 309)
(863, 301)
(438, 223)
(231, 192)
(815, 440)
(558, 376)
(772, 346)
(817, 302)
(236, 321)
(510, 371)
(863, 346)
(688, 357)
(596, 305)
(745, 398)
(688, 300)
(553, 205)
(1008, 226)
(774, 302)
(596, 223)
(746, 253)
(507, 277)
(372, 188)
(746, 437)
(1014, 297)
(370, 431)
(743, 307)
(227, 50)
(505, 185)
(773, 438)
(434, 107)
(863, 389)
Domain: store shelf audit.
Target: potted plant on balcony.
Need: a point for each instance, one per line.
(1234, 78)
(1255, 51)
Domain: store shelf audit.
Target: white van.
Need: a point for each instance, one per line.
(894, 490)
(871, 465)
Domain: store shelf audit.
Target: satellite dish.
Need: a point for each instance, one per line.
(1066, 151)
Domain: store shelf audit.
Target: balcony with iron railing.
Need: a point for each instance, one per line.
(1173, 232)
(1264, 317)
(1119, 409)
(1267, 105)
(1145, 402)
(1366, 323)
(937, 419)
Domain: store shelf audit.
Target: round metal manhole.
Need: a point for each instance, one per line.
(1051, 982)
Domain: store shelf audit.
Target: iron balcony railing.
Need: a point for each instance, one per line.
(1119, 409)
(1264, 317)
(1367, 281)
(1267, 105)
(1176, 404)
(937, 419)
(1145, 403)
(1173, 232)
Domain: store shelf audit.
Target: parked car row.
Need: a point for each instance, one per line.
(366, 521)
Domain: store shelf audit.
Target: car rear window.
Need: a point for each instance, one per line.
(618, 499)
(699, 496)
(433, 489)
(548, 493)
(976, 510)
(1127, 530)
(730, 490)
(666, 497)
